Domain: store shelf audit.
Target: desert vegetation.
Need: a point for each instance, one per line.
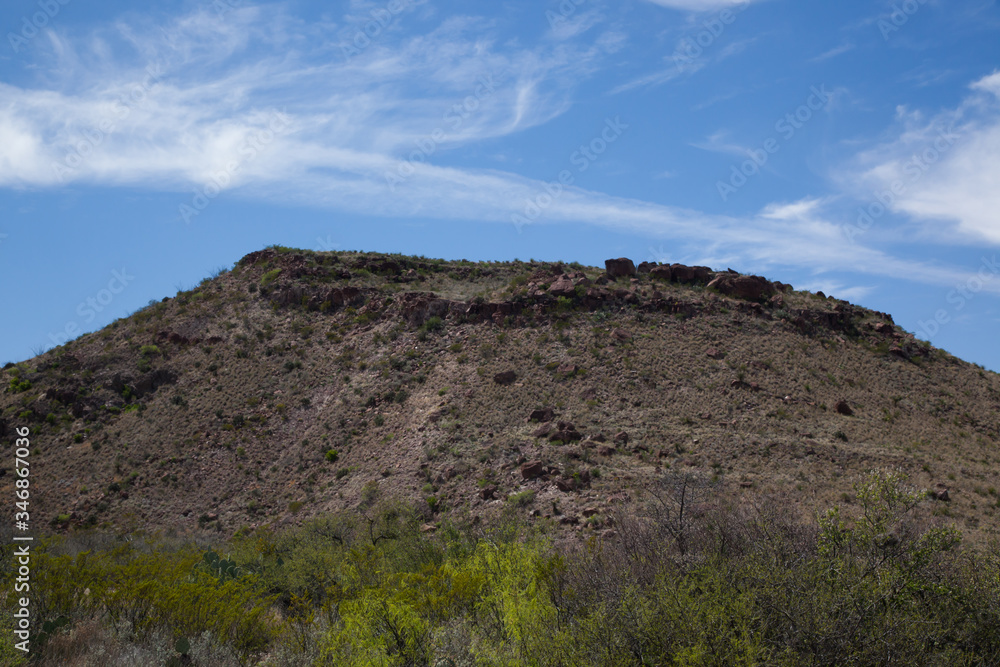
(364, 459)
(687, 580)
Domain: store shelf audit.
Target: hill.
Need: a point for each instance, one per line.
(303, 382)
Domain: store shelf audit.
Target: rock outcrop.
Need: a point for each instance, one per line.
(619, 268)
(752, 288)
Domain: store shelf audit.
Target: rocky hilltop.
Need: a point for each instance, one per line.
(303, 382)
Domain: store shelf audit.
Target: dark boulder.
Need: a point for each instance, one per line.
(543, 415)
(505, 377)
(532, 469)
(619, 268)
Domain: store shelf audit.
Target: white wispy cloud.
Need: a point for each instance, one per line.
(718, 143)
(833, 53)
(942, 169)
(182, 100)
(658, 77)
(189, 102)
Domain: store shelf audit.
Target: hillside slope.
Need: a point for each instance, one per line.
(301, 382)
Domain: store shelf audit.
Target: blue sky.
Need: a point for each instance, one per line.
(851, 147)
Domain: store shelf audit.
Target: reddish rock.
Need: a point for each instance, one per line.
(646, 267)
(752, 288)
(942, 495)
(621, 437)
(691, 274)
(606, 450)
(844, 409)
(542, 431)
(564, 436)
(488, 492)
(563, 286)
(567, 369)
(619, 268)
(566, 485)
(662, 272)
(714, 353)
(532, 469)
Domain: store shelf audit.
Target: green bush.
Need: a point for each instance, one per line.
(270, 277)
(866, 585)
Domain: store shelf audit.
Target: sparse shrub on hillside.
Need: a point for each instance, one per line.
(522, 498)
(18, 385)
(270, 277)
(369, 492)
(432, 324)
